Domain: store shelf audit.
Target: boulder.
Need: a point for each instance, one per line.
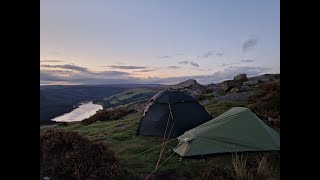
(244, 88)
(190, 83)
(235, 90)
(265, 78)
(241, 77)
(229, 84)
(241, 96)
(214, 88)
(251, 83)
(240, 89)
(190, 86)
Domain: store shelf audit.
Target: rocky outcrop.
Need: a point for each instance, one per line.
(244, 88)
(240, 89)
(241, 96)
(229, 84)
(240, 83)
(235, 90)
(190, 86)
(214, 88)
(265, 78)
(241, 77)
(251, 83)
(186, 84)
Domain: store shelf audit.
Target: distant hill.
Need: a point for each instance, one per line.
(136, 97)
(129, 96)
(56, 100)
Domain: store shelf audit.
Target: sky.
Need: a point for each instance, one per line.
(157, 41)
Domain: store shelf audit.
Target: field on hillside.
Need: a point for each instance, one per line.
(128, 97)
(120, 136)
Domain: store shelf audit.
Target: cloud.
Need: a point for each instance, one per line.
(247, 60)
(202, 69)
(194, 64)
(173, 67)
(73, 74)
(96, 81)
(66, 66)
(210, 53)
(183, 62)
(126, 67)
(45, 76)
(207, 54)
(105, 77)
(51, 61)
(249, 70)
(145, 70)
(249, 44)
(69, 76)
(229, 64)
(164, 57)
(217, 77)
(112, 73)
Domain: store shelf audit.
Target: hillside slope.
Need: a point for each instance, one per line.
(57, 100)
(120, 135)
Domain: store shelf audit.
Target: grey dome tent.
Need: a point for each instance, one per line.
(185, 111)
(236, 130)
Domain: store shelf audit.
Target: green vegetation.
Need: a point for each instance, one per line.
(116, 128)
(209, 95)
(201, 97)
(124, 142)
(120, 136)
(216, 108)
(128, 96)
(107, 114)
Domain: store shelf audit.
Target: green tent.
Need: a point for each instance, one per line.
(236, 130)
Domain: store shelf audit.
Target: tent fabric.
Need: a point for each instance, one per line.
(236, 130)
(187, 113)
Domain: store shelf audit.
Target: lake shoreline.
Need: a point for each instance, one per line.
(81, 111)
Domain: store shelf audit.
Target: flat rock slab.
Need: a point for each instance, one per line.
(242, 96)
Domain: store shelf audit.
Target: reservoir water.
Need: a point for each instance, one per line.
(84, 111)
